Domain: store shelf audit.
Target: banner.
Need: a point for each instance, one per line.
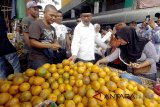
(20, 8)
(147, 3)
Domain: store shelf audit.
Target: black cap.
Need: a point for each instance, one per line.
(85, 9)
(157, 15)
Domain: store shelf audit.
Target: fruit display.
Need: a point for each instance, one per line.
(71, 84)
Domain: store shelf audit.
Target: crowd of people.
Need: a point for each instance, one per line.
(134, 48)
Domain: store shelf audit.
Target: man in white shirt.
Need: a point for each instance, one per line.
(83, 43)
(61, 30)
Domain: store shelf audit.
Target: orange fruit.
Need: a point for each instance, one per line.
(59, 66)
(61, 87)
(69, 103)
(35, 90)
(14, 89)
(107, 78)
(77, 99)
(54, 85)
(4, 98)
(55, 75)
(45, 85)
(69, 95)
(38, 81)
(18, 80)
(89, 64)
(60, 71)
(50, 80)
(81, 70)
(26, 104)
(119, 91)
(52, 97)
(90, 93)
(80, 105)
(30, 72)
(104, 90)
(12, 102)
(41, 71)
(37, 100)
(95, 69)
(80, 63)
(60, 99)
(52, 69)
(102, 74)
(24, 87)
(25, 96)
(79, 83)
(112, 103)
(107, 70)
(68, 87)
(92, 102)
(65, 75)
(5, 87)
(122, 102)
(56, 92)
(93, 76)
(66, 62)
(44, 93)
(85, 101)
(10, 77)
(31, 80)
(101, 81)
(122, 84)
(95, 85)
(48, 74)
(115, 79)
(111, 85)
(66, 68)
(46, 65)
(82, 91)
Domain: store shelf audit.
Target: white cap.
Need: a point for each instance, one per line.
(31, 4)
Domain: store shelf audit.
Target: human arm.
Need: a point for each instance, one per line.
(100, 43)
(151, 56)
(26, 39)
(109, 58)
(75, 44)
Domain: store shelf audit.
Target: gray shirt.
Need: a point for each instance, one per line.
(148, 54)
(26, 22)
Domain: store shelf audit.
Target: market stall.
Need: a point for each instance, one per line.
(69, 84)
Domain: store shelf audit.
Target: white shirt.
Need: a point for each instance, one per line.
(83, 42)
(61, 30)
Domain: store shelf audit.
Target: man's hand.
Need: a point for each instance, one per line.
(55, 46)
(152, 24)
(73, 58)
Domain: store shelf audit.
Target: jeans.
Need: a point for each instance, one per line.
(13, 60)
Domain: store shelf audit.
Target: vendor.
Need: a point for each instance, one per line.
(135, 52)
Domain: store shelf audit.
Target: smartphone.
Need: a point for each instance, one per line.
(148, 18)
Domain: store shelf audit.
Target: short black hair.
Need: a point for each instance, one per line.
(49, 6)
(157, 15)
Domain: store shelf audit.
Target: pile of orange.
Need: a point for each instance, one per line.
(71, 84)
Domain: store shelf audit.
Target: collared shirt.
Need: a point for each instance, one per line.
(83, 42)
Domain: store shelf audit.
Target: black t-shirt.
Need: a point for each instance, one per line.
(5, 45)
(42, 33)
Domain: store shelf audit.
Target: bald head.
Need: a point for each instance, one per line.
(50, 13)
(48, 7)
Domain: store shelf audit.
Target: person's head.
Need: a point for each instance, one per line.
(33, 9)
(133, 24)
(86, 15)
(157, 15)
(144, 24)
(131, 45)
(59, 17)
(78, 20)
(50, 13)
(158, 22)
(119, 26)
(103, 30)
(97, 27)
